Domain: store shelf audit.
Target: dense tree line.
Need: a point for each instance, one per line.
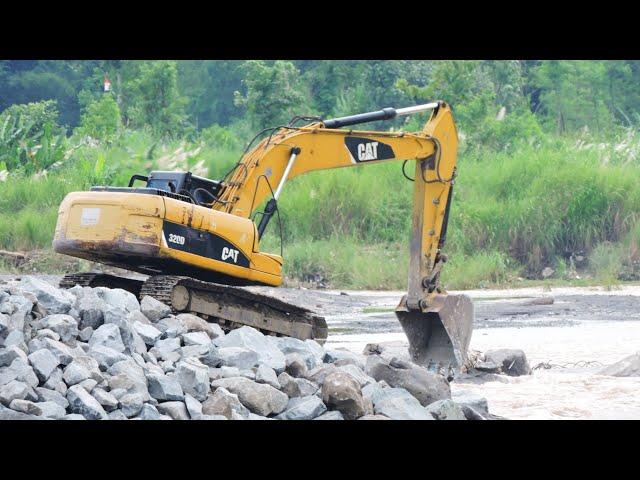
(177, 98)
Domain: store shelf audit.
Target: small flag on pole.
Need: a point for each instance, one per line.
(107, 84)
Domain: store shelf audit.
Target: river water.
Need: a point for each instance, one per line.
(583, 330)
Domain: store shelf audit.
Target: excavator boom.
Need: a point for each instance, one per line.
(181, 227)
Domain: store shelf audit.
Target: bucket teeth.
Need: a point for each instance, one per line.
(439, 336)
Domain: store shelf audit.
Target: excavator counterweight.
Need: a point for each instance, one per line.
(198, 240)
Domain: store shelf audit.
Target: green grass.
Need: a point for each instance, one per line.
(513, 213)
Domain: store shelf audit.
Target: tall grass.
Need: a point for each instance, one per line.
(513, 213)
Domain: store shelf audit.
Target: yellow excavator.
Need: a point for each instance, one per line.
(198, 240)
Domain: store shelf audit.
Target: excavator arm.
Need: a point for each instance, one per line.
(196, 240)
(438, 325)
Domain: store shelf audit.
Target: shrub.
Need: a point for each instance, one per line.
(101, 119)
(30, 137)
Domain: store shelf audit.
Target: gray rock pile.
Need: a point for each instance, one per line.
(512, 362)
(98, 353)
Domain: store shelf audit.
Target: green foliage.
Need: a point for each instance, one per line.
(606, 262)
(30, 138)
(344, 261)
(479, 270)
(221, 137)
(155, 100)
(549, 156)
(210, 85)
(273, 93)
(101, 119)
(505, 134)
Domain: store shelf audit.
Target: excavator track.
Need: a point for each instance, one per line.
(230, 307)
(101, 280)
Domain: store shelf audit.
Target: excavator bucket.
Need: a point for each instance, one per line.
(439, 337)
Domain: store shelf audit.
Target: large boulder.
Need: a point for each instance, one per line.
(132, 341)
(153, 309)
(175, 410)
(118, 298)
(52, 299)
(194, 407)
(4, 324)
(465, 397)
(260, 398)
(75, 373)
(106, 399)
(195, 338)
(18, 311)
(131, 404)
(26, 406)
(164, 388)
(267, 375)
(45, 395)
(309, 350)
(23, 372)
(8, 414)
(61, 351)
(129, 375)
(193, 376)
(106, 356)
(167, 349)
(627, 367)
(8, 355)
(446, 410)
(252, 339)
(195, 351)
(399, 404)
(340, 391)
(239, 357)
(331, 415)
(107, 335)
(92, 365)
(81, 402)
(225, 403)
(303, 408)
(171, 327)
(149, 412)
(295, 365)
(12, 391)
(426, 386)
(344, 356)
(149, 334)
(55, 382)
(51, 410)
(362, 378)
(296, 387)
(16, 338)
(318, 374)
(193, 323)
(128, 383)
(90, 307)
(513, 362)
(64, 325)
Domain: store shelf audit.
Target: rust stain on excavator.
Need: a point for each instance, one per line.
(147, 226)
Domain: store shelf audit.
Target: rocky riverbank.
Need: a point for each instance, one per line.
(98, 353)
